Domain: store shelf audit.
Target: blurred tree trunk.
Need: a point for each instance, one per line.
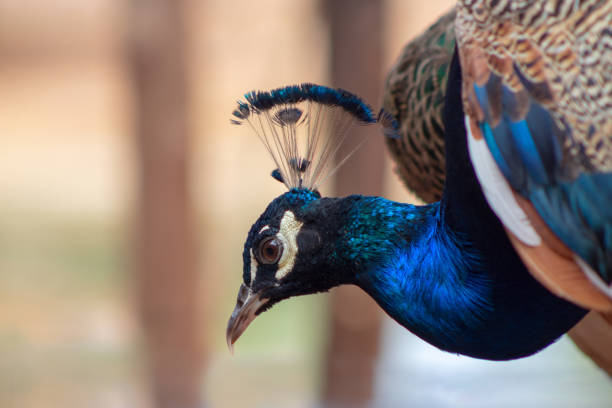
(356, 38)
(165, 258)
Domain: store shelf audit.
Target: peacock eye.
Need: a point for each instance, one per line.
(269, 250)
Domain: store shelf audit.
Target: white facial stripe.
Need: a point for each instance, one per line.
(289, 230)
(253, 267)
(265, 227)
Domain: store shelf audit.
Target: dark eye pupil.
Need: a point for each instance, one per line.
(270, 250)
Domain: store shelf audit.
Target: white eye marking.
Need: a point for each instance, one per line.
(253, 267)
(265, 227)
(289, 230)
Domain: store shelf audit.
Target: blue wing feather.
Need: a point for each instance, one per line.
(579, 213)
(528, 151)
(526, 144)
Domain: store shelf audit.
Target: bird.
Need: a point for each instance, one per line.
(450, 271)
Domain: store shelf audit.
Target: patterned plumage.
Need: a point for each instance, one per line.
(552, 262)
(591, 335)
(536, 88)
(555, 52)
(414, 94)
(447, 271)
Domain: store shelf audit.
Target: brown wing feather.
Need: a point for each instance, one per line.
(414, 95)
(593, 335)
(562, 50)
(550, 263)
(559, 48)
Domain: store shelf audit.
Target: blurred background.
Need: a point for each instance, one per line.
(125, 197)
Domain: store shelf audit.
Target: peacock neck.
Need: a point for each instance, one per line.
(461, 295)
(453, 278)
(424, 275)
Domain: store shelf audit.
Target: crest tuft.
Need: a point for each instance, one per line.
(302, 127)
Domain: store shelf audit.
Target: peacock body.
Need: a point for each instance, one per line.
(448, 271)
(538, 97)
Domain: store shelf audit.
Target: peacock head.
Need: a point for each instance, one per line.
(283, 256)
(287, 251)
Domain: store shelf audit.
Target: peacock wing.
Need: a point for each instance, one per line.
(414, 95)
(537, 92)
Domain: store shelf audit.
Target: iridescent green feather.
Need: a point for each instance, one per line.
(414, 95)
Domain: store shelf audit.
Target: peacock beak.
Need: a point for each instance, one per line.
(247, 305)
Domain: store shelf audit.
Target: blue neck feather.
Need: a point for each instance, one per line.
(432, 282)
(447, 271)
(448, 289)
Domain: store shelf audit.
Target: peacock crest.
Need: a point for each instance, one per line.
(303, 126)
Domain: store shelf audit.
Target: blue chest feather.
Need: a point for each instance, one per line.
(447, 271)
(448, 289)
(433, 285)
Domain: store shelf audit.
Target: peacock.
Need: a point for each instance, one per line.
(519, 186)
